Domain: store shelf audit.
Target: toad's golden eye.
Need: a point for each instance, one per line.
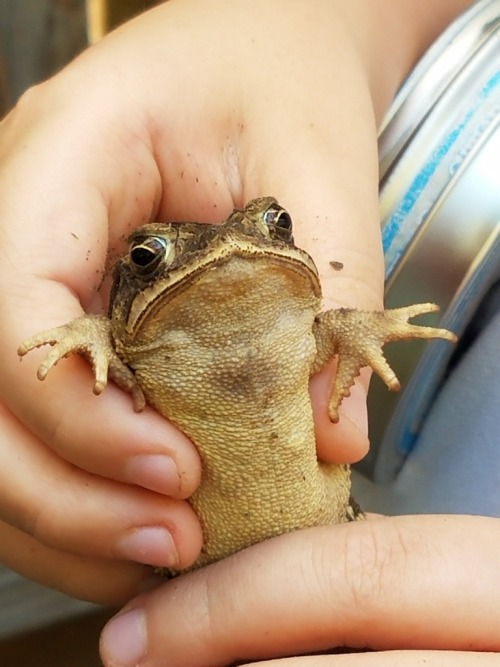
(147, 254)
(279, 223)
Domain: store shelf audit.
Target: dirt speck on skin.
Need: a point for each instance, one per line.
(336, 266)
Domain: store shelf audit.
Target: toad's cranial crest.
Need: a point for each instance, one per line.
(219, 328)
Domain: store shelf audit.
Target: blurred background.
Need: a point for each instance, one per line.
(38, 37)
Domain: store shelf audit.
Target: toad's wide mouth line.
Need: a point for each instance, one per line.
(150, 299)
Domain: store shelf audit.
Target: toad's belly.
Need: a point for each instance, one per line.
(255, 435)
(238, 386)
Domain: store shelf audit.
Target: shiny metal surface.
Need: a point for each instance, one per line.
(431, 77)
(440, 211)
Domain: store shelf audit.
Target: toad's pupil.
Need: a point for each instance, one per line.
(149, 253)
(142, 256)
(278, 218)
(284, 221)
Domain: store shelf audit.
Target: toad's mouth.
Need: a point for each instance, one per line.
(235, 256)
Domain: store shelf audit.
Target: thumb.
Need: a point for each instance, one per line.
(397, 583)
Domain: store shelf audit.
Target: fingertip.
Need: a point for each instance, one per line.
(123, 640)
(101, 581)
(347, 440)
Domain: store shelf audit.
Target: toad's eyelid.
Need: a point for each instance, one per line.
(169, 245)
(152, 243)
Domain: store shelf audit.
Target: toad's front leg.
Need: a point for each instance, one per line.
(357, 338)
(90, 336)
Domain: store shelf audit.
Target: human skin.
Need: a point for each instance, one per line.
(182, 114)
(419, 587)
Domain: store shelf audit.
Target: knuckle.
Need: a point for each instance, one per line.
(376, 562)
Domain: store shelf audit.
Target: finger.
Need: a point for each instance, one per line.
(102, 435)
(329, 228)
(330, 224)
(323, 168)
(115, 442)
(389, 659)
(69, 210)
(347, 441)
(102, 581)
(71, 510)
(404, 583)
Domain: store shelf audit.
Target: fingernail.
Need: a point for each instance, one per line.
(152, 545)
(156, 472)
(124, 639)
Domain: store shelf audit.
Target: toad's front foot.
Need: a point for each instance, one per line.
(89, 336)
(357, 337)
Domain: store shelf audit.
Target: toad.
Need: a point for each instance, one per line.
(219, 327)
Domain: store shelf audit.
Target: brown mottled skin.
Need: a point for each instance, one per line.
(219, 328)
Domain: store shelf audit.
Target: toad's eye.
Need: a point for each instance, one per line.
(147, 254)
(279, 223)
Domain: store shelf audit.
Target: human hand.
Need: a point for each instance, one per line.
(415, 590)
(149, 125)
(85, 159)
